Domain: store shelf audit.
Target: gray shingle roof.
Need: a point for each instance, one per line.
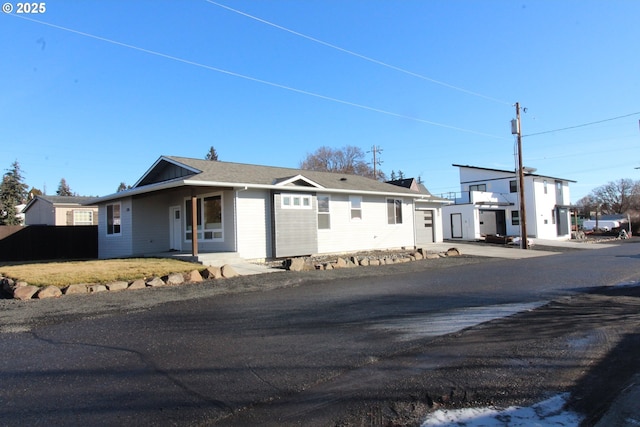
(238, 173)
(174, 171)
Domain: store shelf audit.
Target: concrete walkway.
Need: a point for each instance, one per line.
(512, 252)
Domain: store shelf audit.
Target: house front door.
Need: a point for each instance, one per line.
(424, 226)
(456, 226)
(175, 228)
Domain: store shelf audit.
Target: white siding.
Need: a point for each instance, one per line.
(371, 232)
(470, 221)
(150, 217)
(115, 246)
(253, 214)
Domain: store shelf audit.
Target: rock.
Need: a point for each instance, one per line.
(76, 289)
(340, 263)
(25, 292)
(453, 252)
(355, 261)
(328, 266)
(49, 292)
(228, 271)
(432, 256)
(194, 277)
(117, 286)
(364, 262)
(175, 279)
(93, 289)
(295, 264)
(155, 282)
(212, 273)
(8, 285)
(138, 284)
(374, 262)
(418, 255)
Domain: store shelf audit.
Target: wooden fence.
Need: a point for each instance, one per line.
(48, 242)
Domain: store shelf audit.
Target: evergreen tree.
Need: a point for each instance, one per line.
(64, 189)
(123, 187)
(212, 154)
(12, 192)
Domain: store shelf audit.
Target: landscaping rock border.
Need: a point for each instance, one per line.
(363, 259)
(21, 290)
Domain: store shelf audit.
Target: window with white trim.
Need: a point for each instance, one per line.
(355, 203)
(82, 217)
(394, 211)
(296, 201)
(324, 218)
(208, 216)
(113, 219)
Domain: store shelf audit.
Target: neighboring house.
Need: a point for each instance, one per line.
(60, 210)
(489, 205)
(427, 221)
(20, 212)
(259, 212)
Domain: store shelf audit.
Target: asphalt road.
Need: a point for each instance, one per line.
(346, 347)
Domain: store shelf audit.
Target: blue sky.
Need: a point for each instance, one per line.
(95, 91)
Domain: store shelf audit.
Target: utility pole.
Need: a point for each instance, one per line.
(516, 129)
(375, 150)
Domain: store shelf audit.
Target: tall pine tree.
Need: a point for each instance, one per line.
(13, 191)
(64, 189)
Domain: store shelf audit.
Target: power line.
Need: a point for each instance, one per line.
(583, 125)
(358, 55)
(257, 80)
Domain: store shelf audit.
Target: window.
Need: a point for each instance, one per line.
(513, 186)
(208, 218)
(394, 211)
(113, 219)
(324, 220)
(356, 207)
(478, 187)
(515, 217)
(295, 201)
(544, 183)
(82, 217)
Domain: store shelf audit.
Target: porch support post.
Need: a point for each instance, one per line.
(194, 226)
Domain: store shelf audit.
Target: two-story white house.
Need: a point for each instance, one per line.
(488, 204)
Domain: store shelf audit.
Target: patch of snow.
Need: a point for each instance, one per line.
(550, 412)
(449, 321)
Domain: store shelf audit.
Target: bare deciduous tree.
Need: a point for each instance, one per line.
(615, 197)
(348, 159)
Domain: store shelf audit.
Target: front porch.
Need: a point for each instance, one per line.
(218, 259)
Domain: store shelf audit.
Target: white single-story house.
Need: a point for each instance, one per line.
(60, 210)
(489, 204)
(261, 212)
